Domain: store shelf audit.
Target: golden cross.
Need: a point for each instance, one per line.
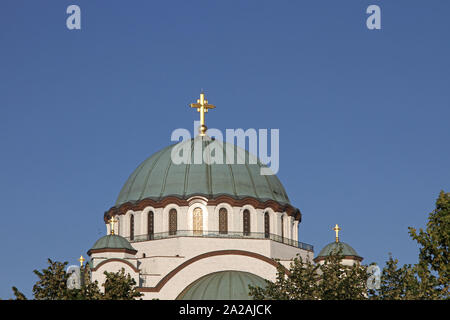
(81, 261)
(112, 222)
(337, 229)
(202, 107)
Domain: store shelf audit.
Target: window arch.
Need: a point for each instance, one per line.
(246, 222)
(172, 222)
(150, 225)
(223, 221)
(131, 227)
(266, 225)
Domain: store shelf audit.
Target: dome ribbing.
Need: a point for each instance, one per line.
(158, 177)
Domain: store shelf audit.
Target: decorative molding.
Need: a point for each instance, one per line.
(172, 273)
(257, 204)
(196, 200)
(116, 260)
(124, 250)
(357, 258)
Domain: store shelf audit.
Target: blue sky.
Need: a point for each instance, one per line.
(363, 115)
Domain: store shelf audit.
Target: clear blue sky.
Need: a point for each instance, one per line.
(363, 115)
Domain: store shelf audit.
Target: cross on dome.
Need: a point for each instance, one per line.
(337, 229)
(202, 107)
(81, 260)
(112, 222)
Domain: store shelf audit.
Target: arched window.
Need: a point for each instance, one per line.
(131, 228)
(292, 231)
(197, 221)
(266, 225)
(282, 228)
(223, 221)
(246, 222)
(172, 222)
(150, 225)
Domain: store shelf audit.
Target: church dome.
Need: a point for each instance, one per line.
(334, 247)
(112, 241)
(158, 177)
(223, 285)
(347, 250)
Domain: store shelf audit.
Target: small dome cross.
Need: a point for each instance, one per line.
(337, 229)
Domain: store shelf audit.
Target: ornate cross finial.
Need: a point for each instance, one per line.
(202, 107)
(337, 229)
(81, 261)
(112, 222)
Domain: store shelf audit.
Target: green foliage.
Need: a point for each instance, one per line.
(396, 283)
(52, 285)
(294, 285)
(119, 286)
(433, 267)
(428, 279)
(342, 282)
(19, 295)
(306, 281)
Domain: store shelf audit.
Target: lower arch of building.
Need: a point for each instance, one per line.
(173, 284)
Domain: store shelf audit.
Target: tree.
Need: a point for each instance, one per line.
(342, 282)
(52, 285)
(433, 267)
(306, 281)
(119, 286)
(429, 278)
(19, 295)
(295, 284)
(396, 283)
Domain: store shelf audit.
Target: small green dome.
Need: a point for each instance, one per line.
(112, 241)
(347, 250)
(223, 285)
(158, 177)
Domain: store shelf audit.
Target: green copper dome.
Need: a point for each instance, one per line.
(158, 177)
(112, 241)
(223, 285)
(347, 250)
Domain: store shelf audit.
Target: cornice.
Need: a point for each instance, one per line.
(161, 203)
(321, 258)
(121, 250)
